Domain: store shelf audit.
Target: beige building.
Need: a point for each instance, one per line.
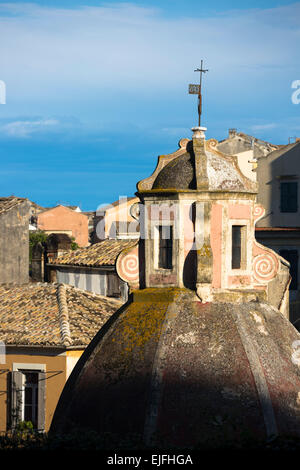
(115, 221)
(44, 329)
(247, 149)
(278, 176)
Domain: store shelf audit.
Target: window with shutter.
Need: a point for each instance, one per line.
(16, 398)
(28, 398)
(113, 285)
(289, 197)
(41, 401)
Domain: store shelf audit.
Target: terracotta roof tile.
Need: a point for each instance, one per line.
(104, 253)
(52, 314)
(7, 203)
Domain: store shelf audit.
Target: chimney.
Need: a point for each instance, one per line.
(57, 244)
(232, 133)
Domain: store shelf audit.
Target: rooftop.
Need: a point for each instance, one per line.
(51, 315)
(7, 203)
(104, 253)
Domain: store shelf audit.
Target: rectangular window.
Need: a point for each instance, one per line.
(238, 250)
(292, 257)
(28, 398)
(289, 197)
(165, 247)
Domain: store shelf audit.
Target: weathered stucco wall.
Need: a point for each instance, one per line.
(14, 244)
(60, 219)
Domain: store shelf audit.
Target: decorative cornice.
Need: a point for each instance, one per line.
(163, 160)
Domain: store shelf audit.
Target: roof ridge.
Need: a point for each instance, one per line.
(63, 315)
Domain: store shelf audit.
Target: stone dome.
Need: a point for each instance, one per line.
(180, 173)
(171, 370)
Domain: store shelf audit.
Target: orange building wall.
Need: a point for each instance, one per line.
(61, 219)
(58, 367)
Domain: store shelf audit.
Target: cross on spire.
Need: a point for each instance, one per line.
(196, 89)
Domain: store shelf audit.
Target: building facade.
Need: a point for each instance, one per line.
(14, 240)
(44, 329)
(115, 221)
(61, 219)
(278, 176)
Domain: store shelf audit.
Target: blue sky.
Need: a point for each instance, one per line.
(97, 90)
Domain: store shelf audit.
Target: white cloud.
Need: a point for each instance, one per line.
(23, 129)
(263, 127)
(52, 52)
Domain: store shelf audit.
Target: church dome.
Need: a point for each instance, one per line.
(201, 350)
(171, 370)
(179, 174)
(178, 171)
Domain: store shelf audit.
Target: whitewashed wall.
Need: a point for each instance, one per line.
(90, 280)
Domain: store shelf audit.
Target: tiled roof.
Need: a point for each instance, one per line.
(104, 253)
(52, 315)
(7, 203)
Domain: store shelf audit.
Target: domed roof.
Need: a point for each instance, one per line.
(197, 167)
(180, 173)
(171, 370)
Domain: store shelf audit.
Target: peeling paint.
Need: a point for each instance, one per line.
(261, 328)
(187, 338)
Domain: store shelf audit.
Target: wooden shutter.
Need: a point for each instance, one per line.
(41, 401)
(16, 398)
(113, 285)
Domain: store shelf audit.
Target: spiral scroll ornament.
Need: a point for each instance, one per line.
(212, 143)
(258, 212)
(265, 267)
(128, 266)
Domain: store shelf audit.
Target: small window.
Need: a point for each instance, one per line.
(289, 197)
(165, 247)
(292, 257)
(28, 398)
(238, 251)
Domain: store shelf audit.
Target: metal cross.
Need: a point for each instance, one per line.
(196, 89)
